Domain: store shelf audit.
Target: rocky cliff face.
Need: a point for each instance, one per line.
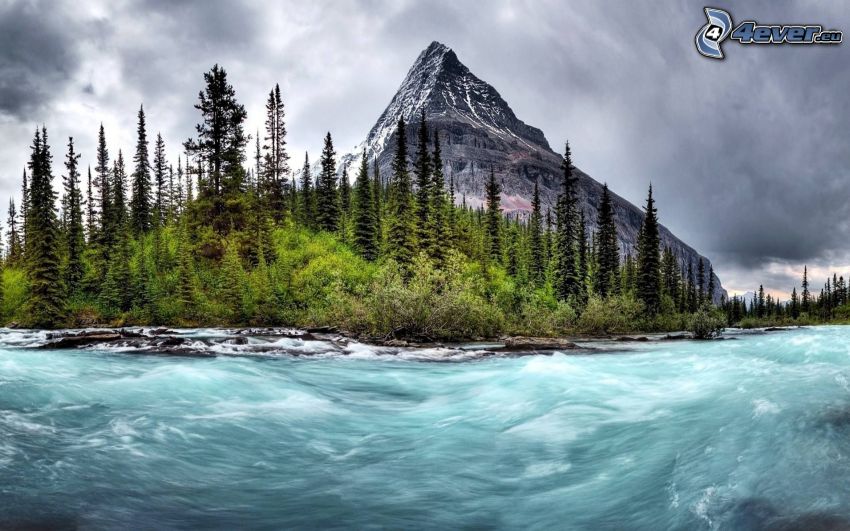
(479, 131)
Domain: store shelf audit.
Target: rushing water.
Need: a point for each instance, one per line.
(742, 434)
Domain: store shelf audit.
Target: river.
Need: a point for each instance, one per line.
(746, 433)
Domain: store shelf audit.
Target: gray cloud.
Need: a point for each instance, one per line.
(748, 156)
(38, 53)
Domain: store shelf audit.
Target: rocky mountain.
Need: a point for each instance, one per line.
(479, 131)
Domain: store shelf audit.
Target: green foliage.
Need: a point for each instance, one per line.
(706, 323)
(618, 314)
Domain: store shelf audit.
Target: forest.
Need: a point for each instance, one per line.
(224, 238)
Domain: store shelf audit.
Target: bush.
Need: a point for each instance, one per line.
(432, 304)
(707, 323)
(618, 314)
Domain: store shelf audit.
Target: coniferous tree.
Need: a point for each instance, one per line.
(74, 231)
(307, 206)
(15, 249)
(103, 185)
(220, 144)
(377, 203)
(119, 201)
(795, 303)
(805, 299)
(344, 193)
(160, 202)
(422, 170)
(277, 160)
(327, 200)
(566, 275)
(44, 305)
(91, 219)
(494, 238)
(25, 207)
(140, 214)
(649, 267)
(442, 239)
(401, 237)
(537, 266)
(365, 234)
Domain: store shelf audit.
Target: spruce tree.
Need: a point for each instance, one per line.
(422, 170)
(276, 160)
(365, 234)
(401, 242)
(306, 204)
(45, 306)
(344, 193)
(494, 217)
(442, 239)
(537, 267)
(608, 254)
(15, 250)
(74, 232)
(327, 200)
(140, 214)
(103, 186)
(649, 256)
(91, 219)
(806, 298)
(220, 144)
(566, 275)
(160, 202)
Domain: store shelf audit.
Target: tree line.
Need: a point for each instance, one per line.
(206, 239)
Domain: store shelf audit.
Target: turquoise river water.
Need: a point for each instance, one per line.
(750, 433)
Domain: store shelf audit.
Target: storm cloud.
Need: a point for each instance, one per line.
(748, 156)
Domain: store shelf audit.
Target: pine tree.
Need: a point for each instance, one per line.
(365, 234)
(795, 303)
(401, 242)
(494, 216)
(422, 170)
(442, 239)
(566, 275)
(140, 215)
(119, 187)
(220, 143)
(103, 186)
(805, 299)
(277, 160)
(307, 208)
(45, 304)
(160, 202)
(74, 232)
(608, 255)
(327, 199)
(649, 267)
(344, 193)
(15, 251)
(91, 216)
(537, 266)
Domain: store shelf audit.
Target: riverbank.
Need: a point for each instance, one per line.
(207, 342)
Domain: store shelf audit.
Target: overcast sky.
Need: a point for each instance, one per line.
(749, 156)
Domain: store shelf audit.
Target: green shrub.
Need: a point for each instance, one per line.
(618, 314)
(707, 323)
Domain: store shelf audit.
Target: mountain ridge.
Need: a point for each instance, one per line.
(479, 132)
